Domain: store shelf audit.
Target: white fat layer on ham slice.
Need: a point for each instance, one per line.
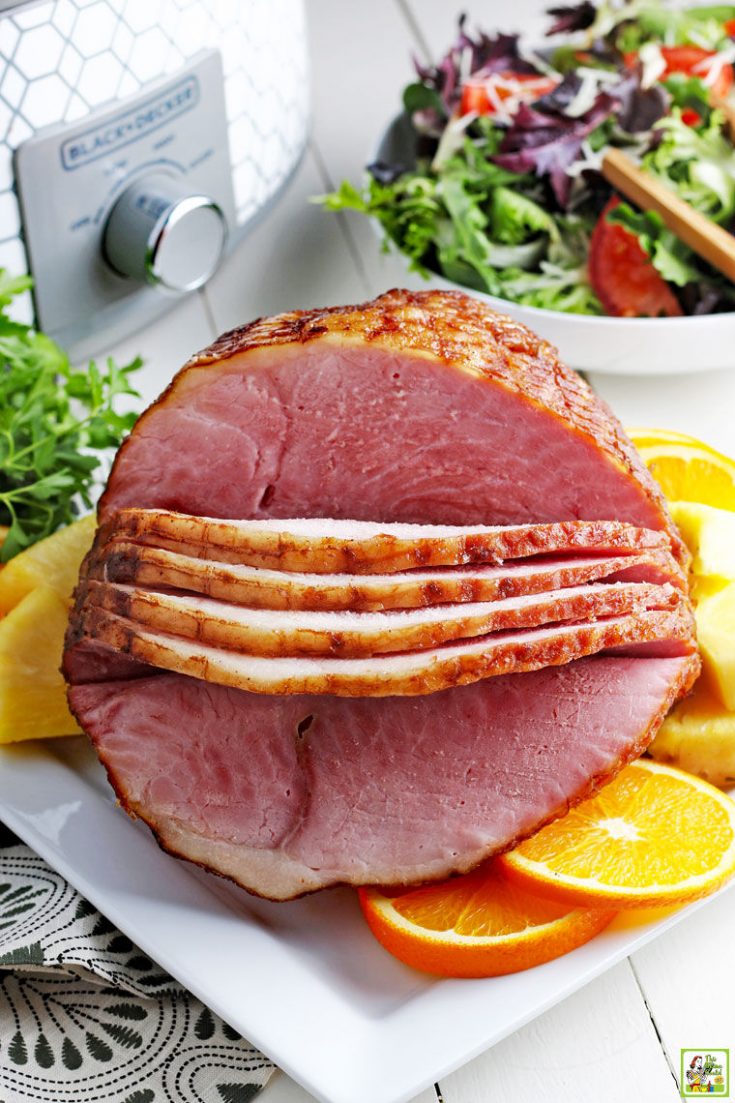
(407, 673)
(299, 632)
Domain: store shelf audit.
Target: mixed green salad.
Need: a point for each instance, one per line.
(505, 193)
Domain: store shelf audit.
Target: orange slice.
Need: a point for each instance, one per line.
(478, 925)
(642, 436)
(686, 469)
(654, 836)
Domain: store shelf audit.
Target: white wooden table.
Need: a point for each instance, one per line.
(619, 1038)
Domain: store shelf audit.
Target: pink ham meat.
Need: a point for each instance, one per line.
(286, 795)
(416, 408)
(260, 588)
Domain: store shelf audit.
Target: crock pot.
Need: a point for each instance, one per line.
(138, 140)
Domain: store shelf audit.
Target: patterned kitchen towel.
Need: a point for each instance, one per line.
(86, 1017)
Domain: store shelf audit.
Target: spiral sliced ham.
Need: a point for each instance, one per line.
(413, 409)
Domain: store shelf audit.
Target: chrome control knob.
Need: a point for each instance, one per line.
(160, 233)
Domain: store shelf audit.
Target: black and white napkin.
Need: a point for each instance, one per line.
(85, 1016)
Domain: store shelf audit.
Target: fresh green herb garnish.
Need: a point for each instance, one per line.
(56, 425)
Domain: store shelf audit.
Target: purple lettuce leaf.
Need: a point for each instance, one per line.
(572, 17)
(604, 51)
(560, 97)
(548, 144)
(545, 140)
(639, 108)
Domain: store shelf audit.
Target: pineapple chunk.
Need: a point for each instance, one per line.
(709, 533)
(716, 634)
(32, 690)
(52, 562)
(710, 536)
(699, 735)
(699, 732)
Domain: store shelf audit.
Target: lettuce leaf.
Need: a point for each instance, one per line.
(571, 17)
(687, 90)
(409, 211)
(514, 216)
(698, 162)
(549, 143)
(553, 288)
(662, 23)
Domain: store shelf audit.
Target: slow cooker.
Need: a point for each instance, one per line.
(138, 140)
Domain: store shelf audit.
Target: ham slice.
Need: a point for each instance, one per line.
(286, 795)
(326, 546)
(261, 588)
(653, 632)
(347, 634)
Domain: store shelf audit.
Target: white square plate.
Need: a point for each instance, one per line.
(304, 981)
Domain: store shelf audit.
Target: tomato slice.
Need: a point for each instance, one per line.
(623, 276)
(693, 59)
(729, 26)
(484, 95)
(690, 116)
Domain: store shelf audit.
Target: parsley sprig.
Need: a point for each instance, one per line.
(56, 427)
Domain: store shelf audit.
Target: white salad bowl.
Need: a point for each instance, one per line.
(617, 346)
